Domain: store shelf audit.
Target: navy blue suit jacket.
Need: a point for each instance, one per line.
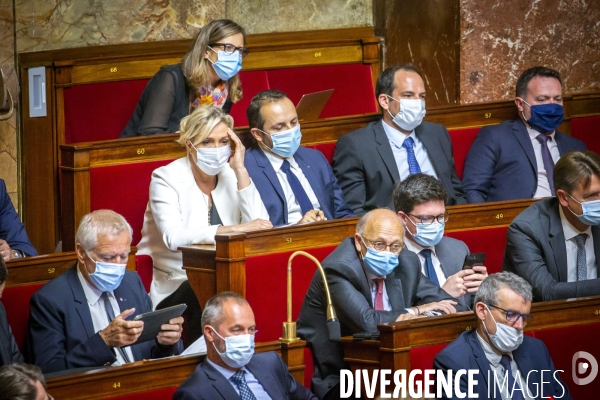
(318, 172)
(270, 370)
(11, 228)
(9, 352)
(61, 332)
(466, 353)
(501, 163)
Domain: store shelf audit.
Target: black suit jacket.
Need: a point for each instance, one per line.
(366, 170)
(532, 355)
(268, 368)
(536, 250)
(499, 155)
(406, 286)
(9, 352)
(61, 332)
(11, 228)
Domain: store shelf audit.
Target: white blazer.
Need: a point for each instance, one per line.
(177, 215)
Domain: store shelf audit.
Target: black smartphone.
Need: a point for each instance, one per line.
(473, 259)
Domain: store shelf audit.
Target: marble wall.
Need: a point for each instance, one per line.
(502, 38)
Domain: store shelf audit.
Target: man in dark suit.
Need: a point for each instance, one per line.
(296, 184)
(368, 161)
(72, 321)
(14, 242)
(555, 243)
(231, 369)
(515, 159)
(9, 352)
(372, 281)
(419, 201)
(508, 362)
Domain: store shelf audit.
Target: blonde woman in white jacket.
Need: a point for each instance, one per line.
(192, 199)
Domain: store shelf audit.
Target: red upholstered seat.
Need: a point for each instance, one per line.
(252, 83)
(158, 394)
(309, 369)
(131, 184)
(100, 111)
(490, 241)
(588, 130)
(563, 343)
(326, 148)
(16, 302)
(266, 288)
(143, 266)
(462, 139)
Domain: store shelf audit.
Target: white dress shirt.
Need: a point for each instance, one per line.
(98, 312)
(294, 210)
(396, 139)
(570, 232)
(257, 389)
(543, 186)
(437, 266)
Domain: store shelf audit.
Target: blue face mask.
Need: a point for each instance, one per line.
(545, 117)
(239, 349)
(107, 276)
(285, 143)
(227, 65)
(428, 235)
(591, 211)
(381, 263)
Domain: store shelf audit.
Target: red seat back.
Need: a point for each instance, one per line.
(309, 369)
(16, 302)
(157, 394)
(143, 266)
(252, 83)
(326, 148)
(266, 288)
(132, 182)
(490, 241)
(588, 130)
(462, 139)
(100, 111)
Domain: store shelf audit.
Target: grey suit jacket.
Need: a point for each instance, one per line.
(366, 170)
(452, 253)
(536, 250)
(351, 296)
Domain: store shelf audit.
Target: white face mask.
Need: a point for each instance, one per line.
(410, 115)
(211, 160)
(239, 349)
(507, 338)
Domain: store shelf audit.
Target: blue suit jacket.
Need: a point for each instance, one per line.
(61, 332)
(501, 163)
(9, 352)
(270, 370)
(11, 228)
(466, 353)
(318, 172)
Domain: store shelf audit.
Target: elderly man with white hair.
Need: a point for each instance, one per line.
(83, 318)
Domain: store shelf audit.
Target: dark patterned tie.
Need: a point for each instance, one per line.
(517, 394)
(547, 159)
(581, 257)
(379, 294)
(413, 165)
(111, 315)
(240, 381)
(429, 267)
(297, 189)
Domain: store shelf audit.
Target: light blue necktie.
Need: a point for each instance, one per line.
(413, 165)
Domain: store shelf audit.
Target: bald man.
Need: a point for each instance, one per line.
(372, 280)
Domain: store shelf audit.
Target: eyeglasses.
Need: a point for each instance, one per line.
(382, 246)
(230, 49)
(430, 219)
(513, 316)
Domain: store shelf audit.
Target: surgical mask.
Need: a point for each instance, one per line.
(545, 117)
(381, 263)
(107, 276)
(227, 65)
(212, 160)
(285, 143)
(428, 235)
(507, 338)
(410, 115)
(239, 349)
(590, 211)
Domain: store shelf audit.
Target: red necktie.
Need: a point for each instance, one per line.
(379, 294)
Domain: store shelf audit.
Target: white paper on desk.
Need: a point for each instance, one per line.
(198, 347)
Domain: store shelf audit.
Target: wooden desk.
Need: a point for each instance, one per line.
(142, 376)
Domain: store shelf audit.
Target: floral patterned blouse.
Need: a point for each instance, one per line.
(211, 96)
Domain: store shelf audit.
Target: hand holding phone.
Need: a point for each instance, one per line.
(473, 259)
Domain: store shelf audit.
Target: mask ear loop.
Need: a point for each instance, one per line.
(577, 201)
(493, 319)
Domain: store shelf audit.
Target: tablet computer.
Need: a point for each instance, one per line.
(154, 319)
(310, 106)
